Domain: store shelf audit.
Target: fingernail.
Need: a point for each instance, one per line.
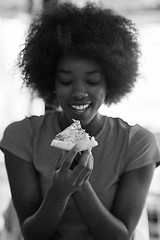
(89, 150)
(77, 146)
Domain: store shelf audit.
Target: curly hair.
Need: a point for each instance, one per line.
(89, 31)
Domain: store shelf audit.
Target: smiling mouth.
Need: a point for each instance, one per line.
(82, 107)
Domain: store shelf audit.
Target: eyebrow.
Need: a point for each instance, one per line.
(70, 72)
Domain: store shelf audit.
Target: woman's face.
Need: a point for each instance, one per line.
(80, 88)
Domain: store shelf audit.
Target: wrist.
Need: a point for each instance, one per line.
(82, 190)
(54, 193)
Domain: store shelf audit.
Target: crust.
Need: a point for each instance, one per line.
(83, 145)
(74, 134)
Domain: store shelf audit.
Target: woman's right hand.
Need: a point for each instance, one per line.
(67, 181)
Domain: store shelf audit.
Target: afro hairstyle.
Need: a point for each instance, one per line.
(89, 31)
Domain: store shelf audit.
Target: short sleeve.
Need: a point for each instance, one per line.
(142, 149)
(17, 139)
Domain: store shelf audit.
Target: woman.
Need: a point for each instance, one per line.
(80, 58)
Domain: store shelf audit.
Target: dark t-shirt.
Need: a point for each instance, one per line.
(121, 148)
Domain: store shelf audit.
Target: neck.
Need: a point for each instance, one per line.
(63, 120)
(92, 128)
(95, 125)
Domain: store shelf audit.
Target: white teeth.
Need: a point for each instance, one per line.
(80, 107)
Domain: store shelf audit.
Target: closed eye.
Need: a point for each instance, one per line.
(65, 81)
(93, 81)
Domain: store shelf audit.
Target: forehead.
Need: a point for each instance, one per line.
(79, 64)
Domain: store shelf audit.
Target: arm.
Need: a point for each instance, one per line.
(40, 217)
(120, 223)
(33, 212)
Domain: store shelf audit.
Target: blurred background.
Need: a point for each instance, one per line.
(142, 106)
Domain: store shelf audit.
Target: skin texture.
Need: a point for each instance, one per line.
(78, 59)
(74, 87)
(80, 81)
(92, 32)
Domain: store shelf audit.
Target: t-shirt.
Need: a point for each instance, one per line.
(121, 148)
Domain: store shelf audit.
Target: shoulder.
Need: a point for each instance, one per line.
(142, 148)
(22, 137)
(29, 124)
(21, 127)
(118, 123)
(118, 128)
(141, 144)
(134, 132)
(26, 130)
(141, 136)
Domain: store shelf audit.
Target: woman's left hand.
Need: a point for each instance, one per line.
(68, 180)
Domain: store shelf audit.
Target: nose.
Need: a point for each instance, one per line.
(79, 91)
(79, 95)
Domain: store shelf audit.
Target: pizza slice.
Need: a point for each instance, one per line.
(72, 135)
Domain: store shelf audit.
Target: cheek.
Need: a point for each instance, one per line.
(62, 94)
(101, 95)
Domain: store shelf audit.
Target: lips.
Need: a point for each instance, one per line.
(80, 106)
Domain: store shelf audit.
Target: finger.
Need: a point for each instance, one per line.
(69, 158)
(84, 176)
(87, 178)
(90, 162)
(83, 164)
(60, 159)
